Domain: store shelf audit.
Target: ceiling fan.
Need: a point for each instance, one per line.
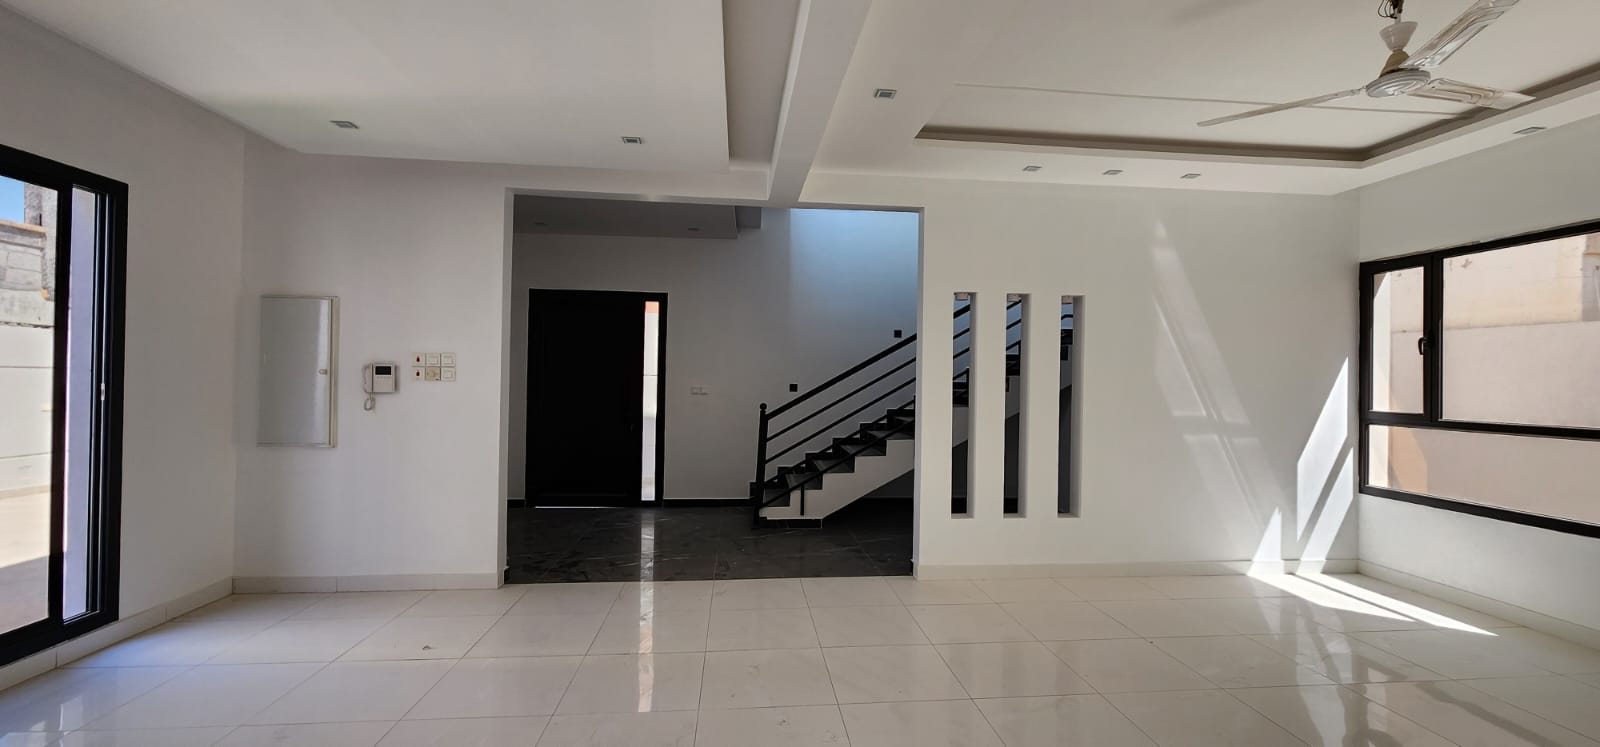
(1407, 74)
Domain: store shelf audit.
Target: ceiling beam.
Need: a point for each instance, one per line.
(825, 34)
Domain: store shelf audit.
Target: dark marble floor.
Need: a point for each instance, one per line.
(869, 538)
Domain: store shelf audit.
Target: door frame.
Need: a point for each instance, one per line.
(104, 485)
(661, 381)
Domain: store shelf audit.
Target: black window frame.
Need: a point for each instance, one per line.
(1432, 415)
(104, 511)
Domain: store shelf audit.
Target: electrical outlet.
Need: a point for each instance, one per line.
(447, 373)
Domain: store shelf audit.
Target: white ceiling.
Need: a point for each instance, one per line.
(1082, 87)
(743, 100)
(1151, 69)
(546, 82)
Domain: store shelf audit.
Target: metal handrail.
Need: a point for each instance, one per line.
(765, 435)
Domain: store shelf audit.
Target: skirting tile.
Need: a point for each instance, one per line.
(1191, 568)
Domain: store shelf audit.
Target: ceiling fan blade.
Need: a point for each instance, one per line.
(1460, 31)
(1467, 93)
(1282, 107)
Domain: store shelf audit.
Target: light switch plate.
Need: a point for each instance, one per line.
(447, 373)
(447, 359)
(433, 359)
(418, 373)
(419, 359)
(433, 373)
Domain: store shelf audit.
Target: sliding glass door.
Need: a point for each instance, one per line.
(61, 261)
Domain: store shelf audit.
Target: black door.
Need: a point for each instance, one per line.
(586, 397)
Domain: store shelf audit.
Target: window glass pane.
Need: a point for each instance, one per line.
(27, 398)
(1544, 476)
(1522, 334)
(1396, 328)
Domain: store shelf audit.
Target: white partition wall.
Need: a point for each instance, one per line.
(1213, 401)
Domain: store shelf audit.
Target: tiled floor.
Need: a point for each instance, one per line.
(869, 538)
(1217, 660)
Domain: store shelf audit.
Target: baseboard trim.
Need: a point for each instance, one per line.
(1488, 605)
(127, 626)
(671, 503)
(393, 582)
(1178, 568)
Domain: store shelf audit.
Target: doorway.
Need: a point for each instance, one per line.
(596, 385)
(62, 232)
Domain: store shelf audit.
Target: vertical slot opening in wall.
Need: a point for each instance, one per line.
(1070, 408)
(1016, 378)
(960, 413)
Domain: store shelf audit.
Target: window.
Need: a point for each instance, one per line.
(61, 262)
(1481, 385)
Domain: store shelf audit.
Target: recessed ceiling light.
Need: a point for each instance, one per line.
(1528, 130)
(1111, 172)
(633, 140)
(1190, 176)
(884, 93)
(1032, 167)
(344, 124)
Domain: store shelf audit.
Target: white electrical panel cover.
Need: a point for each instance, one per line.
(295, 378)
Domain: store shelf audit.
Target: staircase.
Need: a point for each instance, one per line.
(851, 460)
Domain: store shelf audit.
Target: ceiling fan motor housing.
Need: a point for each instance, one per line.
(1397, 82)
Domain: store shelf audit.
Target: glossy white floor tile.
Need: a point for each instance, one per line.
(848, 592)
(635, 683)
(1239, 662)
(300, 641)
(457, 602)
(191, 737)
(1331, 716)
(756, 679)
(629, 631)
(355, 691)
(967, 623)
(735, 630)
(758, 593)
(539, 635)
(1469, 717)
(1562, 700)
(1069, 720)
(422, 638)
(68, 699)
(1065, 621)
(361, 604)
(1209, 718)
(1010, 670)
(1026, 590)
(866, 626)
(956, 723)
(1102, 661)
(875, 674)
(521, 686)
(1127, 665)
(792, 726)
(362, 734)
(466, 732)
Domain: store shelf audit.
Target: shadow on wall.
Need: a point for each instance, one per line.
(1236, 472)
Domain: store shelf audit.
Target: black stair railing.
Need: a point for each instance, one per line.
(767, 438)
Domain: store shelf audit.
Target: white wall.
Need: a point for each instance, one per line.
(1541, 181)
(1214, 395)
(807, 295)
(415, 252)
(184, 173)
